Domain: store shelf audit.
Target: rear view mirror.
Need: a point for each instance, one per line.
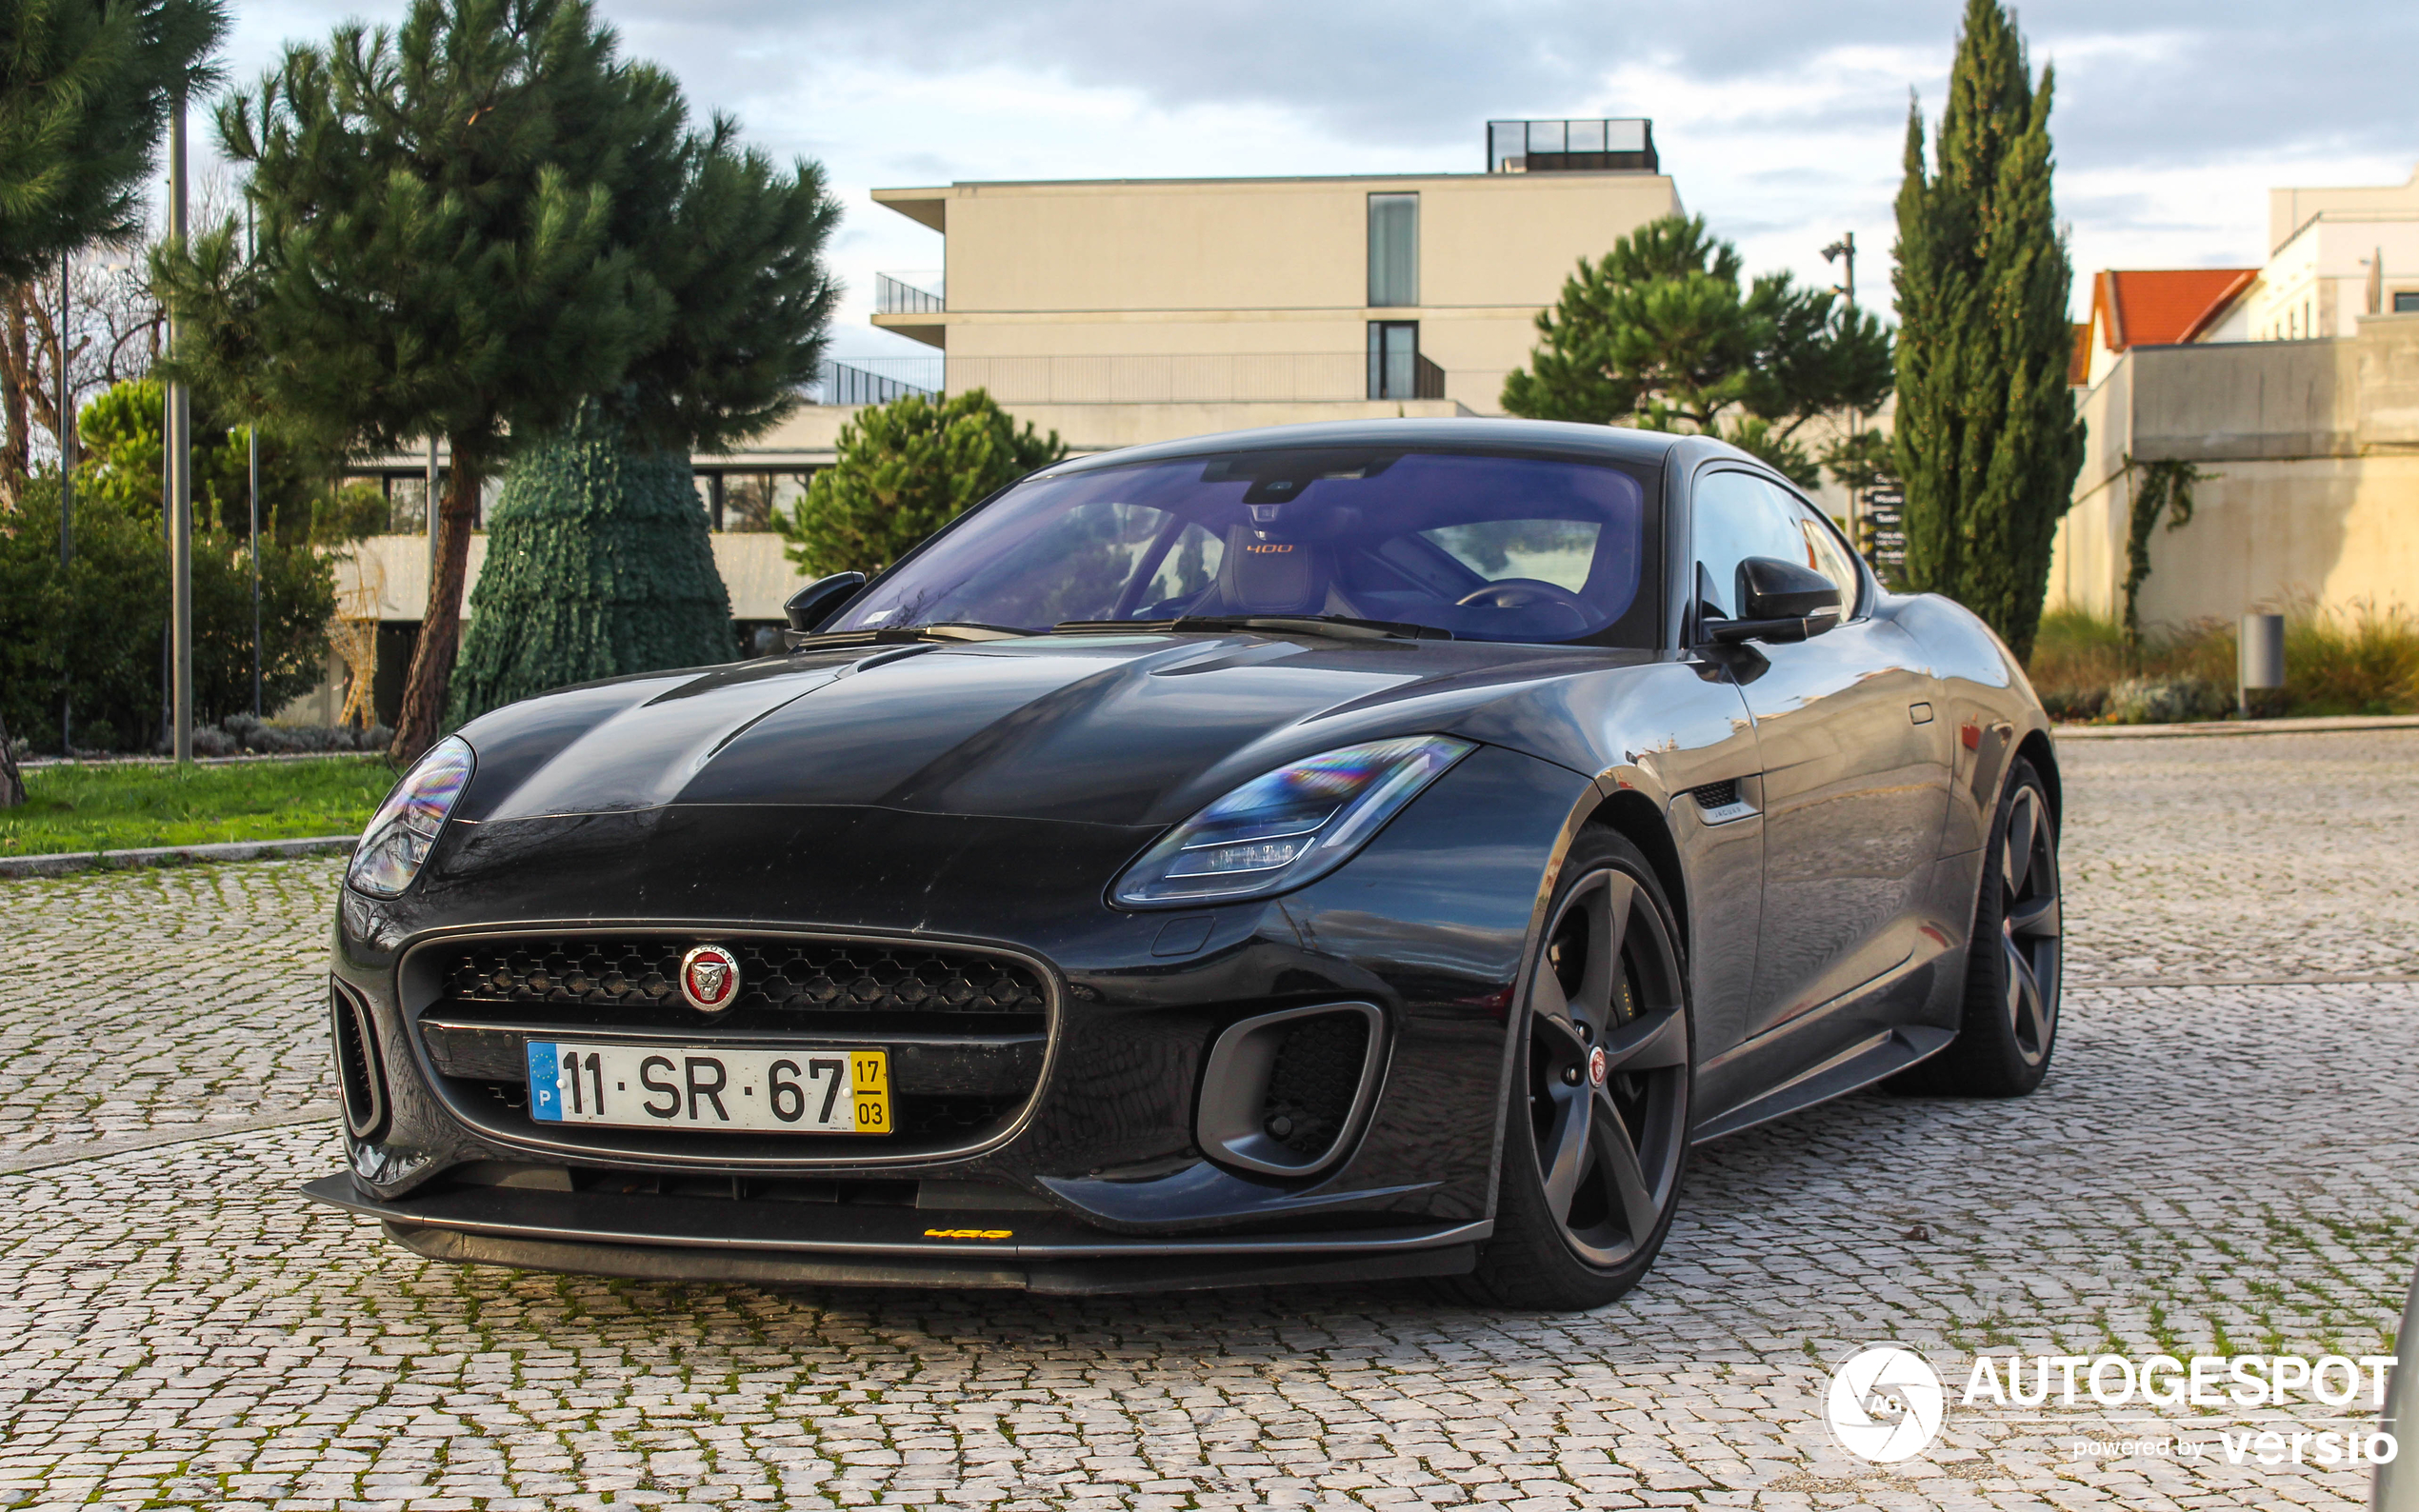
(1778, 600)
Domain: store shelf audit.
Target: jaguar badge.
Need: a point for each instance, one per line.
(709, 978)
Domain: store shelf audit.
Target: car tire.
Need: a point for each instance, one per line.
(1597, 1133)
(2009, 1028)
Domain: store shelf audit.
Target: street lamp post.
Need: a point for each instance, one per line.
(179, 425)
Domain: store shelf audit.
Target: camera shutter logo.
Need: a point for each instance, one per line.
(709, 978)
(1884, 1404)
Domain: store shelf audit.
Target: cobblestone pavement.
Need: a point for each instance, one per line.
(2209, 1169)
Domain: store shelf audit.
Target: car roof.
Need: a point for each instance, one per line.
(1516, 437)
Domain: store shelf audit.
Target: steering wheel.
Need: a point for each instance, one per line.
(1528, 593)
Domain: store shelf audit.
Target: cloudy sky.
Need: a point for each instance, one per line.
(1782, 121)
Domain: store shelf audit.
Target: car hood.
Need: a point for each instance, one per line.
(1139, 729)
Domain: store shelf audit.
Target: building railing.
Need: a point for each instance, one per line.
(876, 380)
(1571, 147)
(1183, 378)
(896, 296)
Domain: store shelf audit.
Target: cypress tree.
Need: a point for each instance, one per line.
(598, 564)
(1988, 441)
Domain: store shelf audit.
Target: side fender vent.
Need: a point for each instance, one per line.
(1286, 1092)
(359, 1078)
(1720, 802)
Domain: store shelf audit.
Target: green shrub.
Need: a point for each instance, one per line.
(904, 470)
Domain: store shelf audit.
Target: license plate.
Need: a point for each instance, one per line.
(846, 1091)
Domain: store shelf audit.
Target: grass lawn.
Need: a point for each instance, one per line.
(127, 807)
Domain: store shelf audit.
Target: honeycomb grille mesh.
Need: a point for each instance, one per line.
(809, 976)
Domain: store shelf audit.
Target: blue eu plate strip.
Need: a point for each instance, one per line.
(545, 1094)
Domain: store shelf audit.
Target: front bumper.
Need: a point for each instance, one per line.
(1427, 928)
(704, 1239)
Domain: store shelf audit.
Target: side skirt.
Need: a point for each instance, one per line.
(1885, 1055)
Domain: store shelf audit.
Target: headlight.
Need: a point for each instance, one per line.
(1300, 822)
(404, 829)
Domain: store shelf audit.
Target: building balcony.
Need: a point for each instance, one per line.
(911, 305)
(1571, 147)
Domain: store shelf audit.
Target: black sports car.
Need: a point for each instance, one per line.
(1333, 852)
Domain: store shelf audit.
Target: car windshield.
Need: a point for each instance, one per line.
(1487, 548)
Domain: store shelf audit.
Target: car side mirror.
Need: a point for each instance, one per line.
(1778, 600)
(807, 609)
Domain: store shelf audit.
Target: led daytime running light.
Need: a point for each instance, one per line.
(1291, 825)
(405, 829)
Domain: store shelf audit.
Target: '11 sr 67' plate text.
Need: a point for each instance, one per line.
(649, 1087)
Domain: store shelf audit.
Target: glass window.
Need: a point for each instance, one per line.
(1490, 547)
(751, 500)
(1736, 515)
(1394, 359)
(1825, 552)
(2406, 302)
(1586, 136)
(408, 506)
(1393, 250)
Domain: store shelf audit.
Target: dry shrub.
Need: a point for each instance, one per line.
(2359, 659)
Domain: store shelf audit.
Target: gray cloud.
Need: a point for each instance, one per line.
(2149, 83)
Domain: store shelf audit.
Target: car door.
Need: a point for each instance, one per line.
(1856, 760)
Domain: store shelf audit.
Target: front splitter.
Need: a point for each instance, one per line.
(708, 1239)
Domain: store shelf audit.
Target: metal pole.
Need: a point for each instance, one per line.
(252, 433)
(180, 465)
(429, 515)
(67, 495)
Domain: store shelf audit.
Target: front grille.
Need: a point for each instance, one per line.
(358, 1080)
(784, 975)
(1315, 1080)
(968, 1029)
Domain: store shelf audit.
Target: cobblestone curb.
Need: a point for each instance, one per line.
(2321, 725)
(60, 864)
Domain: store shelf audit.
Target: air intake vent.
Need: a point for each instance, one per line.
(1286, 1092)
(1312, 1084)
(358, 1078)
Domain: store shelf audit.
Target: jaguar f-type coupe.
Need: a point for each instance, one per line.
(1319, 853)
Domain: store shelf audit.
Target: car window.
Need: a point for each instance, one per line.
(1737, 515)
(1489, 546)
(1823, 550)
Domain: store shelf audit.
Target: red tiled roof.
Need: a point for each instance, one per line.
(2162, 306)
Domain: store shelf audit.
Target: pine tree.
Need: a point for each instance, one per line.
(599, 560)
(435, 207)
(904, 470)
(598, 564)
(1659, 333)
(1988, 441)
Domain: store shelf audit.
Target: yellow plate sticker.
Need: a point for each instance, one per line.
(869, 1076)
(968, 1233)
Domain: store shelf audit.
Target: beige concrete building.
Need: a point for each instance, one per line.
(1122, 312)
(2312, 452)
(2295, 387)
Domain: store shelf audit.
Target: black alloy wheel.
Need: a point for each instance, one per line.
(2013, 966)
(1598, 1131)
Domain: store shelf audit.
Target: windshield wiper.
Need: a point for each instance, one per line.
(1342, 626)
(905, 634)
